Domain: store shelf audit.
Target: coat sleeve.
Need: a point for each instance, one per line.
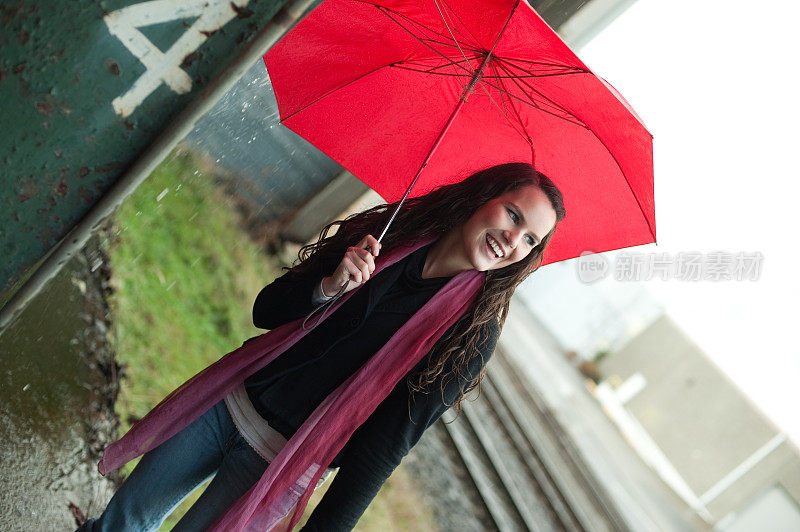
(287, 298)
(381, 442)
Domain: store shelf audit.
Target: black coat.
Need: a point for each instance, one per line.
(290, 388)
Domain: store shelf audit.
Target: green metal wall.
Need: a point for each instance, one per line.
(62, 71)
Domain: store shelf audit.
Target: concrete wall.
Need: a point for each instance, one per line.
(699, 419)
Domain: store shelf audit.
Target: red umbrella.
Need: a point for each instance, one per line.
(423, 93)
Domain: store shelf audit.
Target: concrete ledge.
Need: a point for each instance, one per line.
(342, 196)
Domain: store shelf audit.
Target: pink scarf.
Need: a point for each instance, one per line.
(312, 448)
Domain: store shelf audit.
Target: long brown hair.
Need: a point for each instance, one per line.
(434, 214)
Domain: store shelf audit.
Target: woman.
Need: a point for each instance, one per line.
(497, 221)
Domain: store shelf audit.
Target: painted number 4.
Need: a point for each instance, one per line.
(165, 67)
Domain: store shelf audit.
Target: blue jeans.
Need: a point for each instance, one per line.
(165, 476)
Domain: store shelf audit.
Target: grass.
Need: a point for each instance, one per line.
(186, 276)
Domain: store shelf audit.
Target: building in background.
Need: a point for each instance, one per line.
(706, 440)
(589, 317)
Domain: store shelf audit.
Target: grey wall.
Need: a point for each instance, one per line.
(699, 418)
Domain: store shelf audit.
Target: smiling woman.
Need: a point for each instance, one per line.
(409, 345)
(497, 235)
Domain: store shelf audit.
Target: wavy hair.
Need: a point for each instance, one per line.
(434, 214)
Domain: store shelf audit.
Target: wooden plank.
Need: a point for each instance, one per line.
(532, 462)
(522, 492)
(486, 487)
(567, 472)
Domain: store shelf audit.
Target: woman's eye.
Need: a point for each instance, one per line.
(515, 218)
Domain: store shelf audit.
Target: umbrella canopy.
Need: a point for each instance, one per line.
(393, 89)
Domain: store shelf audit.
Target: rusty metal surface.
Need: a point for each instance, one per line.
(79, 103)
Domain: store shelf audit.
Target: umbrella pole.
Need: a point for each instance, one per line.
(422, 167)
(469, 89)
(325, 307)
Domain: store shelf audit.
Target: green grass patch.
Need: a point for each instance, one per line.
(186, 276)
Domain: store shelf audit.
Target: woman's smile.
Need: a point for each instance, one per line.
(495, 249)
(507, 228)
(500, 233)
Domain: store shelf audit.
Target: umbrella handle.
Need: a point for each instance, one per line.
(324, 308)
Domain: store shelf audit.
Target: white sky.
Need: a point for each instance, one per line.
(715, 83)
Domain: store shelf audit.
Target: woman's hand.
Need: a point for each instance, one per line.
(356, 267)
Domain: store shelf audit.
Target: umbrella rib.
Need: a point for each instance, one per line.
(431, 72)
(521, 89)
(542, 96)
(446, 25)
(386, 12)
(418, 25)
(450, 45)
(503, 96)
(531, 103)
(531, 74)
(421, 63)
(409, 19)
(517, 82)
(524, 133)
(474, 38)
(331, 91)
(520, 76)
(464, 38)
(577, 70)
